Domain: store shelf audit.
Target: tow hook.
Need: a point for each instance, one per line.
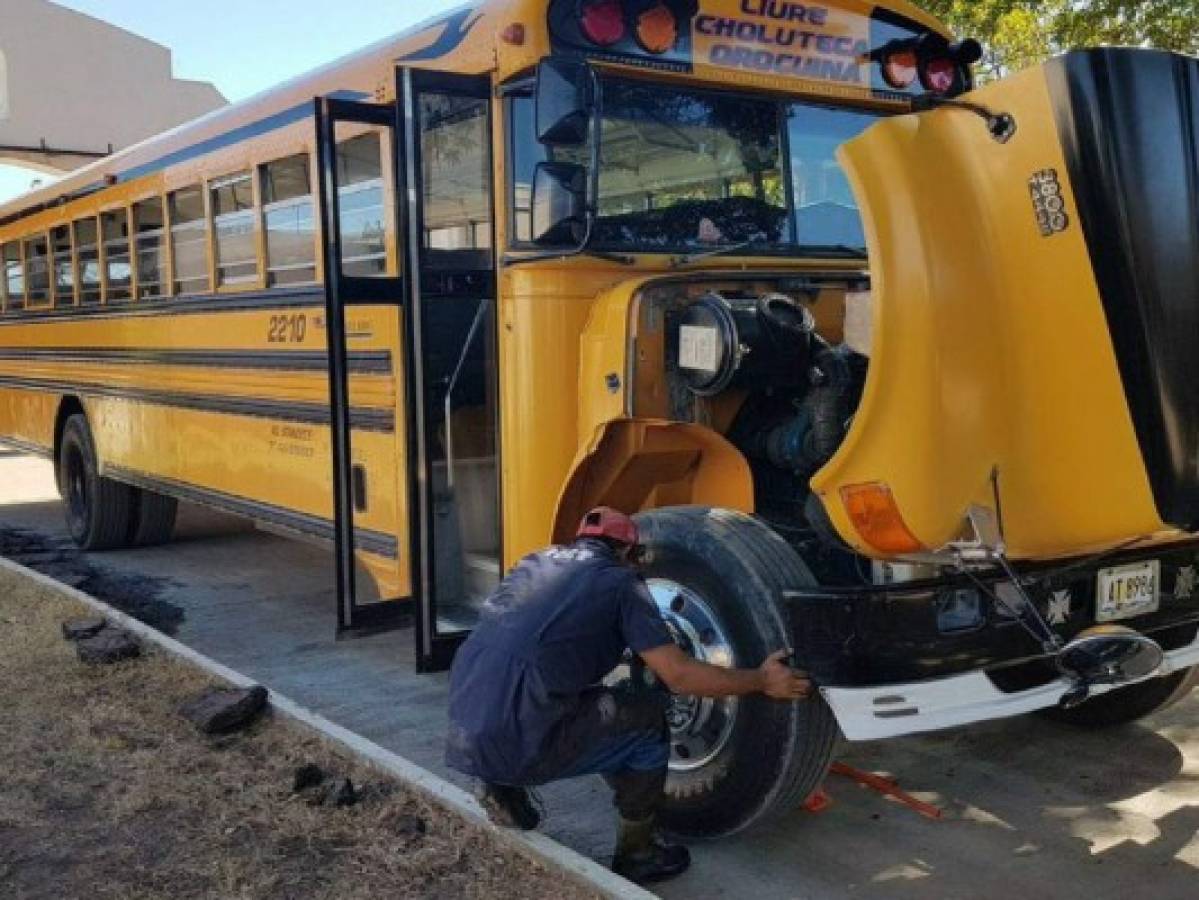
(1107, 655)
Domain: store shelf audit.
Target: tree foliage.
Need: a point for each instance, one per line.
(1021, 33)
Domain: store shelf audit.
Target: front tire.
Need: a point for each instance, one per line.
(1126, 705)
(98, 509)
(718, 576)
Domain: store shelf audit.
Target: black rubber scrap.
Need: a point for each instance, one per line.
(339, 792)
(307, 776)
(80, 629)
(223, 710)
(108, 646)
(322, 789)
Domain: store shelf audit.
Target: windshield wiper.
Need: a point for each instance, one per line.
(687, 259)
(838, 249)
(510, 259)
(806, 249)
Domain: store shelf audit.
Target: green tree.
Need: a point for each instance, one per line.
(1021, 33)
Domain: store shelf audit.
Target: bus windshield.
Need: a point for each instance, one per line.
(687, 170)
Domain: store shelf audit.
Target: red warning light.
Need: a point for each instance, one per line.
(602, 22)
(939, 74)
(900, 68)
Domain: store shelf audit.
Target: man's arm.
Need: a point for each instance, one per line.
(685, 675)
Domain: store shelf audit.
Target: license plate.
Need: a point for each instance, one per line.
(1127, 591)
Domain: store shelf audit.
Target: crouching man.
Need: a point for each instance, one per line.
(527, 706)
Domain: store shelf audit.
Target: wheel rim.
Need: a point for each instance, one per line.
(76, 484)
(700, 727)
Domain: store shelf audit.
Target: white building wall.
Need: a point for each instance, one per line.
(71, 82)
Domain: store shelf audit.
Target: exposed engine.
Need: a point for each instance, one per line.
(799, 393)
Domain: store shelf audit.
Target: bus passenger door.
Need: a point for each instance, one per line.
(451, 333)
(364, 295)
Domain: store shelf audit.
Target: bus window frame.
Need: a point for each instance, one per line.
(54, 265)
(26, 239)
(260, 169)
(176, 288)
(214, 181)
(7, 305)
(94, 218)
(106, 298)
(391, 236)
(165, 287)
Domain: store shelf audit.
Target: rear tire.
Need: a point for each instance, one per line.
(769, 756)
(99, 510)
(153, 518)
(1128, 704)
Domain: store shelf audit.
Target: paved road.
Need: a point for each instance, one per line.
(1032, 809)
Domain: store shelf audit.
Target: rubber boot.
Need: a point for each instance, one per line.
(642, 857)
(509, 806)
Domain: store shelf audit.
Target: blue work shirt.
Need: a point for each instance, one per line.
(557, 624)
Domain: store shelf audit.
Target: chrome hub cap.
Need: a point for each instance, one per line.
(700, 727)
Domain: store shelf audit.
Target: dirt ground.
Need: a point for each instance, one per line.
(105, 791)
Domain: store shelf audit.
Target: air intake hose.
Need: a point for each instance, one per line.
(806, 442)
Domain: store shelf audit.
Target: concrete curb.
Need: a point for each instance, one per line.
(536, 846)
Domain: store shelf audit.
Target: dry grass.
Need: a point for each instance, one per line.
(106, 792)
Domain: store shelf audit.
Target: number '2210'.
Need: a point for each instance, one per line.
(287, 329)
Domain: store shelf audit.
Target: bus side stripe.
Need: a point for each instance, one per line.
(177, 306)
(361, 362)
(377, 542)
(361, 419)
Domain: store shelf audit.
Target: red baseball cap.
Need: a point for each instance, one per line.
(605, 522)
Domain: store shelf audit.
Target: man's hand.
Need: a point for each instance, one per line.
(690, 677)
(780, 681)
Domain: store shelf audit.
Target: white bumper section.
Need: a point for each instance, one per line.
(866, 714)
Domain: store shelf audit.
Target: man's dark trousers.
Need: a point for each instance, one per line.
(621, 734)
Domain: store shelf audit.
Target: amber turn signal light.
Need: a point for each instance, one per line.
(875, 515)
(657, 29)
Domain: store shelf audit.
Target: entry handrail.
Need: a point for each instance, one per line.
(484, 305)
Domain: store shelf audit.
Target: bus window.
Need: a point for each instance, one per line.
(287, 214)
(456, 181)
(88, 255)
(64, 266)
(37, 271)
(118, 273)
(233, 227)
(14, 276)
(360, 194)
(188, 241)
(151, 243)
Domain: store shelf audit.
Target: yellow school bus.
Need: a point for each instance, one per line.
(889, 367)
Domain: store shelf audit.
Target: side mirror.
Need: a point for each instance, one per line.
(565, 100)
(559, 204)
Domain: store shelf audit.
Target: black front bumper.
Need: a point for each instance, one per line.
(894, 634)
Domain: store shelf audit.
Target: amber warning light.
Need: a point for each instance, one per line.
(875, 514)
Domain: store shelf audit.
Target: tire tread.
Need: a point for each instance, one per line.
(111, 504)
(153, 518)
(775, 567)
